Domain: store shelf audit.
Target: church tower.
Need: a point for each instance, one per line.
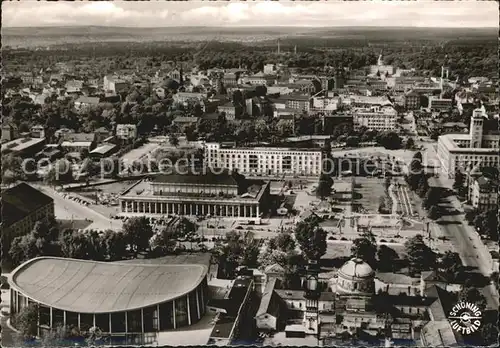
(476, 128)
(380, 61)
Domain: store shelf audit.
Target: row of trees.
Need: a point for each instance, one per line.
(418, 256)
(486, 222)
(238, 250)
(136, 236)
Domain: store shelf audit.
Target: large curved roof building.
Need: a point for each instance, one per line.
(118, 298)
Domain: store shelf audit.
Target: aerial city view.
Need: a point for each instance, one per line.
(250, 173)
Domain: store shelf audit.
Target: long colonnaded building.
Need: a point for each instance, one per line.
(127, 302)
(264, 160)
(222, 195)
(467, 151)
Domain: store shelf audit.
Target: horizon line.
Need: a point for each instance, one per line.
(247, 26)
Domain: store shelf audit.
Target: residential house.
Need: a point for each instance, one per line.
(183, 97)
(282, 89)
(101, 133)
(78, 142)
(230, 110)
(24, 147)
(260, 79)
(9, 132)
(267, 317)
(184, 121)
(114, 85)
(74, 86)
(160, 92)
(331, 121)
(126, 131)
(37, 131)
(63, 130)
(103, 151)
(49, 153)
(269, 69)
(86, 103)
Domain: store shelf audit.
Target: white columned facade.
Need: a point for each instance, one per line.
(188, 309)
(173, 313)
(158, 316)
(197, 304)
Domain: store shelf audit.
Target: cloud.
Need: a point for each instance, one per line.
(258, 13)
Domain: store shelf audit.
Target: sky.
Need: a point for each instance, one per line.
(420, 13)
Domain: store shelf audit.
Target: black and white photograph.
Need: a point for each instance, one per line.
(249, 173)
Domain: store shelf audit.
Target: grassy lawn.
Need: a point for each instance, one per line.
(367, 192)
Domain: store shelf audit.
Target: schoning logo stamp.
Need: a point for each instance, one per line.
(465, 317)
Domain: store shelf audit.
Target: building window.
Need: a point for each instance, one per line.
(181, 314)
(118, 322)
(101, 321)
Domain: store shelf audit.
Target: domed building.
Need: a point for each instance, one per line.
(356, 277)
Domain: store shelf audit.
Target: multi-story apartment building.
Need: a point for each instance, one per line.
(297, 102)
(412, 101)
(230, 79)
(114, 85)
(376, 118)
(182, 97)
(126, 131)
(264, 160)
(229, 109)
(22, 207)
(466, 151)
(439, 104)
(260, 79)
(483, 193)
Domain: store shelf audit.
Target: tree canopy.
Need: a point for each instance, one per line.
(311, 238)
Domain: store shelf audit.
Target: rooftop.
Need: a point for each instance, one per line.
(102, 287)
(20, 201)
(356, 268)
(103, 149)
(210, 178)
(21, 144)
(79, 137)
(299, 295)
(88, 100)
(226, 322)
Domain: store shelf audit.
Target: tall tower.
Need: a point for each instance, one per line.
(476, 128)
(312, 294)
(380, 61)
(295, 49)
(279, 51)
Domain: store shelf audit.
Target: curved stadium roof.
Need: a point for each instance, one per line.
(102, 287)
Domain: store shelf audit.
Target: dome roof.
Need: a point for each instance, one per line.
(356, 268)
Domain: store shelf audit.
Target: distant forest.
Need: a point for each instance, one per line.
(467, 52)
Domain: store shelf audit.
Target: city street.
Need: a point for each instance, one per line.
(66, 209)
(468, 244)
(464, 238)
